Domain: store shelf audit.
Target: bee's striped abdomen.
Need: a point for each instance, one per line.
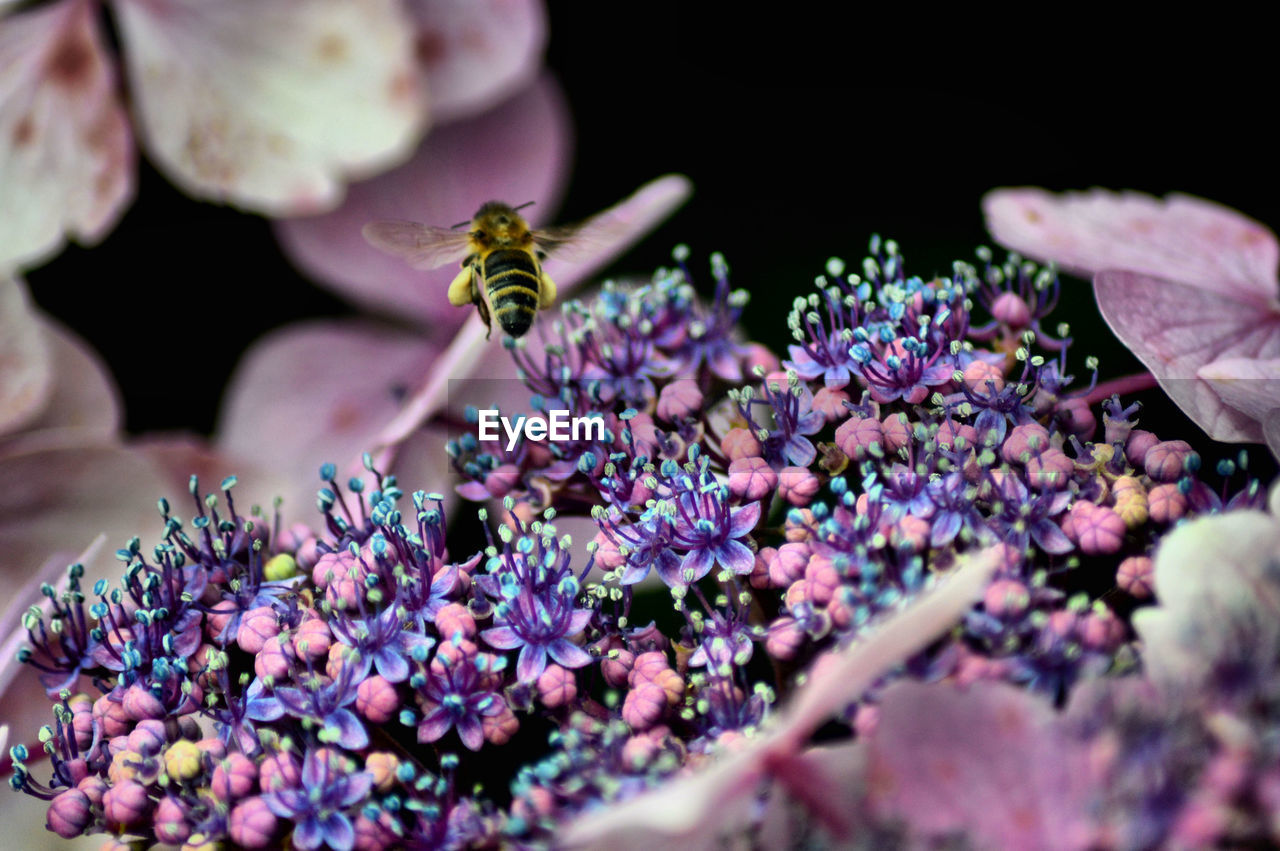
(511, 280)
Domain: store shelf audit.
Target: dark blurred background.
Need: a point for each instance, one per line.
(802, 138)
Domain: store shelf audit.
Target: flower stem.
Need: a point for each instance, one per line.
(1121, 387)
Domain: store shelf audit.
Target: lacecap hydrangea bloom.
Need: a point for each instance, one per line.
(359, 683)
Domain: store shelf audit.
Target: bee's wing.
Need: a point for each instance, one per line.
(422, 246)
(602, 229)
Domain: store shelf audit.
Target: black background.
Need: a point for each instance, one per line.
(803, 135)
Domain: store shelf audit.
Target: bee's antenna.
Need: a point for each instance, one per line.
(525, 204)
(460, 224)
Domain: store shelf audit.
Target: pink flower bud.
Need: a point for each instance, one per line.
(1165, 503)
(1140, 441)
(233, 778)
(1006, 598)
(498, 729)
(256, 626)
(331, 566)
(1049, 470)
(69, 813)
(785, 638)
(1012, 310)
(789, 564)
(376, 835)
(281, 770)
(1063, 624)
(557, 687)
(797, 594)
(148, 738)
(830, 403)
(949, 433)
(797, 485)
(647, 666)
(740, 443)
(1100, 531)
(759, 576)
(910, 533)
(897, 432)
(751, 478)
(94, 787)
(1101, 631)
(1136, 576)
(382, 765)
(125, 804)
(678, 400)
(840, 612)
(140, 703)
(761, 356)
(271, 660)
(822, 578)
(983, 378)
(312, 639)
(252, 824)
(377, 700)
(454, 618)
(865, 719)
(1024, 441)
(644, 706)
(170, 820)
(220, 614)
(638, 751)
(1077, 418)
(616, 667)
(858, 434)
(1167, 461)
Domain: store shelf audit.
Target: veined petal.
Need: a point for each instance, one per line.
(271, 104)
(531, 664)
(1180, 238)
(566, 653)
(476, 54)
(329, 387)
(84, 394)
(736, 556)
(1176, 329)
(502, 638)
(26, 379)
(66, 155)
(743, 519)
(470, 731)
(518, 151)
(1250, 385)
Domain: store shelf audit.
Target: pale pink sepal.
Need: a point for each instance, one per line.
(26, 364)
(475, 54)
(272, 105)
(66, 152)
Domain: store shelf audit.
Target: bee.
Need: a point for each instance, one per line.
(501, 256)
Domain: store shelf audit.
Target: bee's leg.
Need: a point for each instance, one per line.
(484, 315)
(462, 289)
(546, 292)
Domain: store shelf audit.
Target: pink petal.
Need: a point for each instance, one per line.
(84, 397)
(1249, 385)
(1212, 597)
(1176, 329)
(477, 54)
(518, 152)
(53, 502)
(1180, 238)
(26, 364)
(66, 153)
(272, 105)
(470, 354)
(992, 762)
(320, 392)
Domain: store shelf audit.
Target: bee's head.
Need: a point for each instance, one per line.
(499, 223)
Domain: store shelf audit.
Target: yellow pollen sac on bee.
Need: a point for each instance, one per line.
(460, 290)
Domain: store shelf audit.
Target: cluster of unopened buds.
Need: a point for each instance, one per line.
(357, 686)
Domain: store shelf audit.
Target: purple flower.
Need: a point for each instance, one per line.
(316, 807)
(710, 530)
(380, 639)
(536, 612)
(324, 701)
(455, 693)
